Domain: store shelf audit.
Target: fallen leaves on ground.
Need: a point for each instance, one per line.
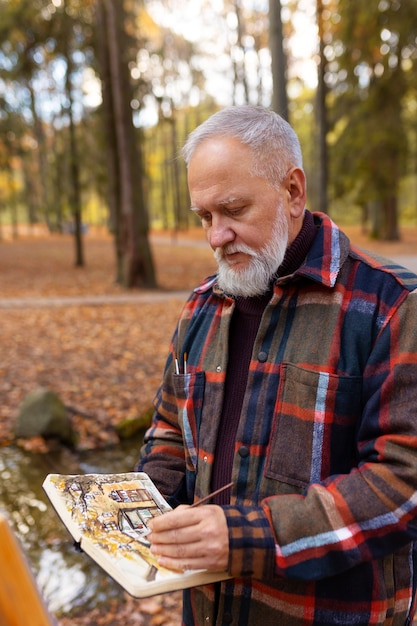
(163, 610)
(105, 361)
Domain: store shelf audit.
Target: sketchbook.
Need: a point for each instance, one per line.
(108, 515)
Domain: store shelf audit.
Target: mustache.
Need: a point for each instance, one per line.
(221, 252)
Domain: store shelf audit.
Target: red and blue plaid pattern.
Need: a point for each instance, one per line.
(323, 515)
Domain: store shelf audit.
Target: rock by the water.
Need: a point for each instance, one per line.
(42, 413)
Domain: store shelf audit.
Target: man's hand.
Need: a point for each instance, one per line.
(191, 538)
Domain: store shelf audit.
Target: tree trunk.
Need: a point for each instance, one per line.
(321, 115)
(383, 216)
(13, 200)
(75, 186)
(137, 265)
(278, 60)
(43, 199)
(113, 182)
(390, 219)
(242, 63)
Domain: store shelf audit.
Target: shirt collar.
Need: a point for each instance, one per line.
(327, 254)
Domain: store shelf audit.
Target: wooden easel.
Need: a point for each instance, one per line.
(20, 601)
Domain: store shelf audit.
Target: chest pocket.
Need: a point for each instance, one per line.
(189, 393)
(314, 426)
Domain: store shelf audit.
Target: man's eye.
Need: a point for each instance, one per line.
(205, 217)
(234, 212)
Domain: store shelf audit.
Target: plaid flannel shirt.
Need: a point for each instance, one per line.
(323, 515)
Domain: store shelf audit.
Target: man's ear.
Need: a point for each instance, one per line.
(297, 192)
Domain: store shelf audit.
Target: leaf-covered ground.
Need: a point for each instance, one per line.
(105, 360)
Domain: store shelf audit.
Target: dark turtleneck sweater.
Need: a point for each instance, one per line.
(243, 329)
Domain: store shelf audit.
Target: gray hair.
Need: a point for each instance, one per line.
(273, 142)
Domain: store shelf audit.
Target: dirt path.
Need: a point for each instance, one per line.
(86, 300)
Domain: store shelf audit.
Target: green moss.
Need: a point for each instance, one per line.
(130, 426)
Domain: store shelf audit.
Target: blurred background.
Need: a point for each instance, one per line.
(97, 96)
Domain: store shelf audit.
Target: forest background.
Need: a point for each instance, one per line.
(96, 99)
(97, 96)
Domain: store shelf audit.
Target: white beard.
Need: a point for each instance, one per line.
(254, 280)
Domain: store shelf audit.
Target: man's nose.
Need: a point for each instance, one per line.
(220, 232)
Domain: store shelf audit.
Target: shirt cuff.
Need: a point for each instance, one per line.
(251, 543)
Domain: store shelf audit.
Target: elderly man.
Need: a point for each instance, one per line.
(292, 373)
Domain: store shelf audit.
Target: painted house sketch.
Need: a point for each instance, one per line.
(113, 512)
(137, 507)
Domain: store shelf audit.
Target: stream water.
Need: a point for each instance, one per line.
(66, 578)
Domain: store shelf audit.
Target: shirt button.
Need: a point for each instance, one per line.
(244, 452)
(205, 459)
(262, 357)
(218, 368)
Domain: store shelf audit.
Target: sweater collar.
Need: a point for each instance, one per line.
(297, 251)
